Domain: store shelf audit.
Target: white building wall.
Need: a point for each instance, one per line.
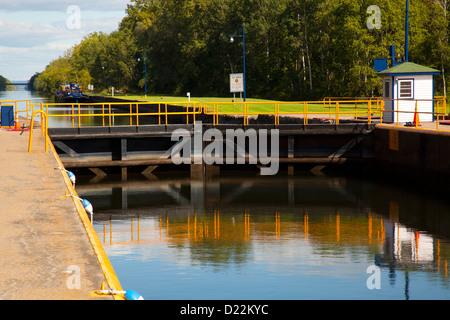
(422, 90)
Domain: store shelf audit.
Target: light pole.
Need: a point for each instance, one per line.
(243, 45)
(145, 67)
(107, 79)
(407, 30)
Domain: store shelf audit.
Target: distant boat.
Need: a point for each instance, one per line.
(71, 93)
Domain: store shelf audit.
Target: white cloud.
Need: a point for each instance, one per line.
(19, 34)
(61, 5)
(33, 33)
(22, 63)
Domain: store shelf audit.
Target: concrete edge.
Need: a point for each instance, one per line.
(413, 129)
(105, 264)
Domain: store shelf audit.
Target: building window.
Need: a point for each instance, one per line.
(387, 89)
(405, 89)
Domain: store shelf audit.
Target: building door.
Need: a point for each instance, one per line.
(388, 115)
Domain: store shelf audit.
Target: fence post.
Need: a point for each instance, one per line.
(79, 116)
(137, 115)
(44, 130)
(166, 112)
(305, 110)
(337, 112)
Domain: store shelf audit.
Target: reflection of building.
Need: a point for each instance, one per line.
(412, 246)
(408, 248)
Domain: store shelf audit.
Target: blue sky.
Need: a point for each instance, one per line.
(33, 33)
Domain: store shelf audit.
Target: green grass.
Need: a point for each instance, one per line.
(257, 106)
(165, 98)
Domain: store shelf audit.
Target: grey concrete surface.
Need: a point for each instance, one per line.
(45, 253)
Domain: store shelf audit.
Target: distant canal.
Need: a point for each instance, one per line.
(23, 94)
(248, 237)
(66, 121)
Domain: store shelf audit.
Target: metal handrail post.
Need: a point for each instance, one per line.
(45, 130)
(337, 112)
(137, 115)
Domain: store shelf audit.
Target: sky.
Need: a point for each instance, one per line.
(35, 32)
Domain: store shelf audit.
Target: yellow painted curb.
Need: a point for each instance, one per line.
(110, 275)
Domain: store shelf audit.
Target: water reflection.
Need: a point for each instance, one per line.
(87, 115)
(313, 236)
(22, 93)
(62, 115)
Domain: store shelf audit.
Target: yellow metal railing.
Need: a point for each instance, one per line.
(330, 108)
(439, 113)
(335, 108)
(20, 106)
(441, 105)
(44, 127)
(132, 111)
(307, 110)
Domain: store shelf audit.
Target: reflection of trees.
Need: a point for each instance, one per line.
(220, 254)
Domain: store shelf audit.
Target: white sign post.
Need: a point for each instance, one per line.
(236, 84)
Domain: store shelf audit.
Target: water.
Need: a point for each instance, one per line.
(56, 113)
(248, 237)
(23, 94)
(256, 238)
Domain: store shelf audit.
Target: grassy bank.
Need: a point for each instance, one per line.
(259, 106)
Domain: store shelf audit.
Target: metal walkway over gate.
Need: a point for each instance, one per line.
(120, 135)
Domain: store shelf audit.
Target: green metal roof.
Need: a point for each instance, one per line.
(408, 68)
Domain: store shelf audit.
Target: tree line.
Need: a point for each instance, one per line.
(295, 49)
(3, 82)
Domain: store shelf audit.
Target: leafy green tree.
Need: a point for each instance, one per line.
(58, 72)
(295, 49)
(3, 82)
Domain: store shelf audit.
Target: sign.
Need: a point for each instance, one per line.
(393, 140)
(236, 82)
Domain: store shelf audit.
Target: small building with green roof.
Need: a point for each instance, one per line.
(404, 86)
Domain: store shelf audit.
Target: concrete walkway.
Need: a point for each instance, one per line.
(430, 126)
(43, 243)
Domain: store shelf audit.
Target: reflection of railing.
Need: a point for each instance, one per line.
(193, 227)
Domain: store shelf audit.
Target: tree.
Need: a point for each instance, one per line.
(58, 72)
(3, 82)
(295, 49)
(434, 48)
